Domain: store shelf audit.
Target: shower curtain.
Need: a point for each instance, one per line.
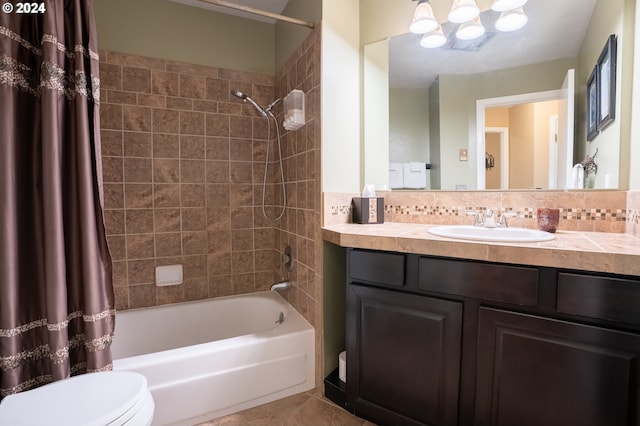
(56, 295)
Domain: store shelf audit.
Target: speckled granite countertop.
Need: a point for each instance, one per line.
(589, 251)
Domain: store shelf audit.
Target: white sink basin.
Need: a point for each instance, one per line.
(479, 233)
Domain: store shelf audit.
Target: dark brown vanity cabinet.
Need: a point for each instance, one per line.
(439, 341)
(404, 360)
(538, 371)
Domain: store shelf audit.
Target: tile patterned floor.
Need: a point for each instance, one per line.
(303, 409)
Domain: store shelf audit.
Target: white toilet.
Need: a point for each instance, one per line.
(113, 398)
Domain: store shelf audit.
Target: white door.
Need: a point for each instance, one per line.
(565, 131)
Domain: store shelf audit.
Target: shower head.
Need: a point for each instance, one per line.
(238, 94)
(246, 98)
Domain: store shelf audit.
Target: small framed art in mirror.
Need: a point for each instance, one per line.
(607, 83)
(593, 112)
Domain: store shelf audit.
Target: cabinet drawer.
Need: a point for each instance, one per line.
(500, 283)
(607, 298)
(377, 267)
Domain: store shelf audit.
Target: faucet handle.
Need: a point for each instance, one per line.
(502, 222)
(477, 217)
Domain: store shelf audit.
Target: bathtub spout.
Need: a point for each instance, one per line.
(281, 286)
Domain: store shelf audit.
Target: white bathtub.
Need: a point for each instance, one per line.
(211, 358)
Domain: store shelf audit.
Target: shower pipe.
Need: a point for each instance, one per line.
(254, 11)
(266, 113)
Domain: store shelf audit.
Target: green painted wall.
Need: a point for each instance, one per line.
(455, 103)
(434, 135)
(334, 304)
(409, 125)
(167, 30)
(376, 115)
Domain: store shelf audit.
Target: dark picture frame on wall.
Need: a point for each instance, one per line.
(593, 112)
(607, 83)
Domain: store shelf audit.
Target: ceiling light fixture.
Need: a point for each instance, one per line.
(512, 20)
(463, 11)
(467, 14)
(423, 19)
(471, 30)
(504, 5)
(433, 39)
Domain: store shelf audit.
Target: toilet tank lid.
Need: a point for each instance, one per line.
(91, 399)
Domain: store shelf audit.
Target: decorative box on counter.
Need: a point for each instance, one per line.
(368, 210)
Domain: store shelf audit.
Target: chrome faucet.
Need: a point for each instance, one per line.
(483, 219)
(502, 222)
(487, 219)
(281, 286)
(477, 221)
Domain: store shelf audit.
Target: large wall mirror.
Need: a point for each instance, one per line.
(506, 111)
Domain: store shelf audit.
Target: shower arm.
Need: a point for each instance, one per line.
(270, 107)
(254, 11)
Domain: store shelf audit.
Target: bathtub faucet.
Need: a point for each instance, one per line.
(281, 286)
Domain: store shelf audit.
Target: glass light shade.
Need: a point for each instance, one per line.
(471, 30)
(512, 20)
(504, 5)
(463, 11)
(423, 19)
(433, 39)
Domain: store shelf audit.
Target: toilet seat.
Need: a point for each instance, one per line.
(140, 414)
(110, 398)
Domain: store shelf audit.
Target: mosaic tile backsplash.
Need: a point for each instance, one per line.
(633, 213)
(599, 211)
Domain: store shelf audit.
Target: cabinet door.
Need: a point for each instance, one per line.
(403, 357)
(536, 371)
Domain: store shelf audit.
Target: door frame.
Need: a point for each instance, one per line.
(504, 154)
(503, 101)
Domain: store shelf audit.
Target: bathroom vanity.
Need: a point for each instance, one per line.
(433, 338)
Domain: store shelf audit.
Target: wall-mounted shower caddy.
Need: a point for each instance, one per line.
(294, 116)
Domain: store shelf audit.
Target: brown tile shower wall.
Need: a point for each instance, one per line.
(300, 226)
(182, 166)
(600, 211)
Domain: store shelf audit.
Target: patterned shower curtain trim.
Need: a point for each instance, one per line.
(59, 355)
(50, 76)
